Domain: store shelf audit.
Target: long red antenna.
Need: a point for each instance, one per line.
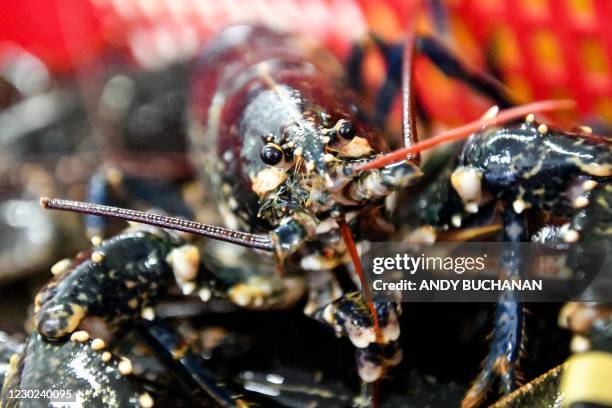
(347, 236)
(464, 131)
(409, 127)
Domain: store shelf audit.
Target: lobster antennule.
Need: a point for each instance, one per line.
(465, 131)
(211, 231)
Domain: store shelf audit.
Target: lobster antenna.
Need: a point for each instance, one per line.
(409, 125)
(211, 231)
(465, 131)
(347, 236)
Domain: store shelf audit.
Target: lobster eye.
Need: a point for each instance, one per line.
(346, 130)
(271, 154)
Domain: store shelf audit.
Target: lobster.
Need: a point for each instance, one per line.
(297, 172)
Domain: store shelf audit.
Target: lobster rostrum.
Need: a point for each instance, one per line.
(296, 171)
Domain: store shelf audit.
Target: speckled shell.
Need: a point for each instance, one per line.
(251, 82)
(520, 162)
(71, 367)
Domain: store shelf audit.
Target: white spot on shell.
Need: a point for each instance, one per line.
(361, 337)
(232, 203)
(145, 401)
(456, 220)
(251, 293)
(316, 262)
(188, 288)
(205, 294)
(114, 177)
(589, 185)
(472, 208)
(275, 378)
(185, 262)
(130, 284)
(97, 344)
(514, 230)
(106, 356)
(519, 205)
(80, 336)
(242, 299)
(61, 266)
(228, 155)
(571, 236)
(125, 367)
(148, 313)
(581, 202)
(595, 169)
(467, 182)
(542, 129)
(97, 257)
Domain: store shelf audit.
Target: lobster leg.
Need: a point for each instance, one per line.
(68, 365)
(354, 65)
(249, 285)
(439, 15)
(437, 53)
(300, 388)
(507, 337)
(190, 368)
(449, 64)
(334, 301)
(392, 55)
(350, 316)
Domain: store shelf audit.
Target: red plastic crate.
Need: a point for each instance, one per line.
(542, 48)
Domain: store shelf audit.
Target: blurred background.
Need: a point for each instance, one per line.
(100, 86)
